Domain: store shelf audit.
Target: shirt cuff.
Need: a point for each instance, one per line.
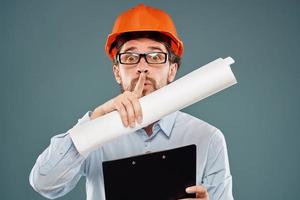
(85, 118)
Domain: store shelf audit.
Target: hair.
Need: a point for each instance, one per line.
(153, 35)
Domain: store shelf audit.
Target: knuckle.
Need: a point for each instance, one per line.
(120, 107)
(122, 110)
(123, 114)
(135, 95)
(127, 93)
(131, 118)
(131, 95)
(126, 103)
(135, 100)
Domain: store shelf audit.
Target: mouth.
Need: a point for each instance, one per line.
(147, 83)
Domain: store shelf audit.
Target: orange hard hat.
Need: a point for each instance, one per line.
(144, 18)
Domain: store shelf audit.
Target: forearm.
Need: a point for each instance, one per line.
(59, 168)
(217, 178)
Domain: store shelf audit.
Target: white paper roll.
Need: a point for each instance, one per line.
(195, 86)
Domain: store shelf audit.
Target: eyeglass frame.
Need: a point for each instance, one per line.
(140, 56)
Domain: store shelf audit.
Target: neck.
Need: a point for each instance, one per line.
(148, 129)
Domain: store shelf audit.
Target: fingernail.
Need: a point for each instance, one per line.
(132, 125)
(188, 189)
(139, 120)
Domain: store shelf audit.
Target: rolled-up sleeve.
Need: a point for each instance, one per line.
(59, 168)
(217, 177)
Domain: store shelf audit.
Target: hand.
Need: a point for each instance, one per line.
(126, 104)
(201, 192)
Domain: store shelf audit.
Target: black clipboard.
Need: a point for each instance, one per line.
(162, 175)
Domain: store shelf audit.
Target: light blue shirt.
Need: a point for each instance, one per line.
(59, 168)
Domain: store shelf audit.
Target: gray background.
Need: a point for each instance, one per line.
(54, 69)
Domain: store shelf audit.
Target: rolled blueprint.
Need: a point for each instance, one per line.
(191, 88)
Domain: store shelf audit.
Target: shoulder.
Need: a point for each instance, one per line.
(189, 121)
(197, 128)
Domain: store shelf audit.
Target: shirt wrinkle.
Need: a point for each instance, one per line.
(61, 158)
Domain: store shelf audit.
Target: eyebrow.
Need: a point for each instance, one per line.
(155, 48)
(151, 47)
(130, 49)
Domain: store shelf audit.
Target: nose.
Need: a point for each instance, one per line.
(142, 66)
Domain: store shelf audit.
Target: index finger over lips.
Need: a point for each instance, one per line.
(138, 89)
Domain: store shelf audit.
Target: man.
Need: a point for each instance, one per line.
(146, 53)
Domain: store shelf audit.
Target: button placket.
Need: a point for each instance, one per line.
(147, 146)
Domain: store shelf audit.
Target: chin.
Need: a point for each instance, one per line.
(148, 91)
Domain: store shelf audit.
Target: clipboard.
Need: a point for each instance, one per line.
(162, 175)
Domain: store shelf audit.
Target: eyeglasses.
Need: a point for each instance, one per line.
(134, 58)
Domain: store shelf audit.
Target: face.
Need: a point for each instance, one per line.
(158, 75)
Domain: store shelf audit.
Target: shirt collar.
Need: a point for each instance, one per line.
(167, 122)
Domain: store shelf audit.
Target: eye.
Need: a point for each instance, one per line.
(156, 57)
(129, 58)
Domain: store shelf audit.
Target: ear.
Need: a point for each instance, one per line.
(172, 72)
(116, 71)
